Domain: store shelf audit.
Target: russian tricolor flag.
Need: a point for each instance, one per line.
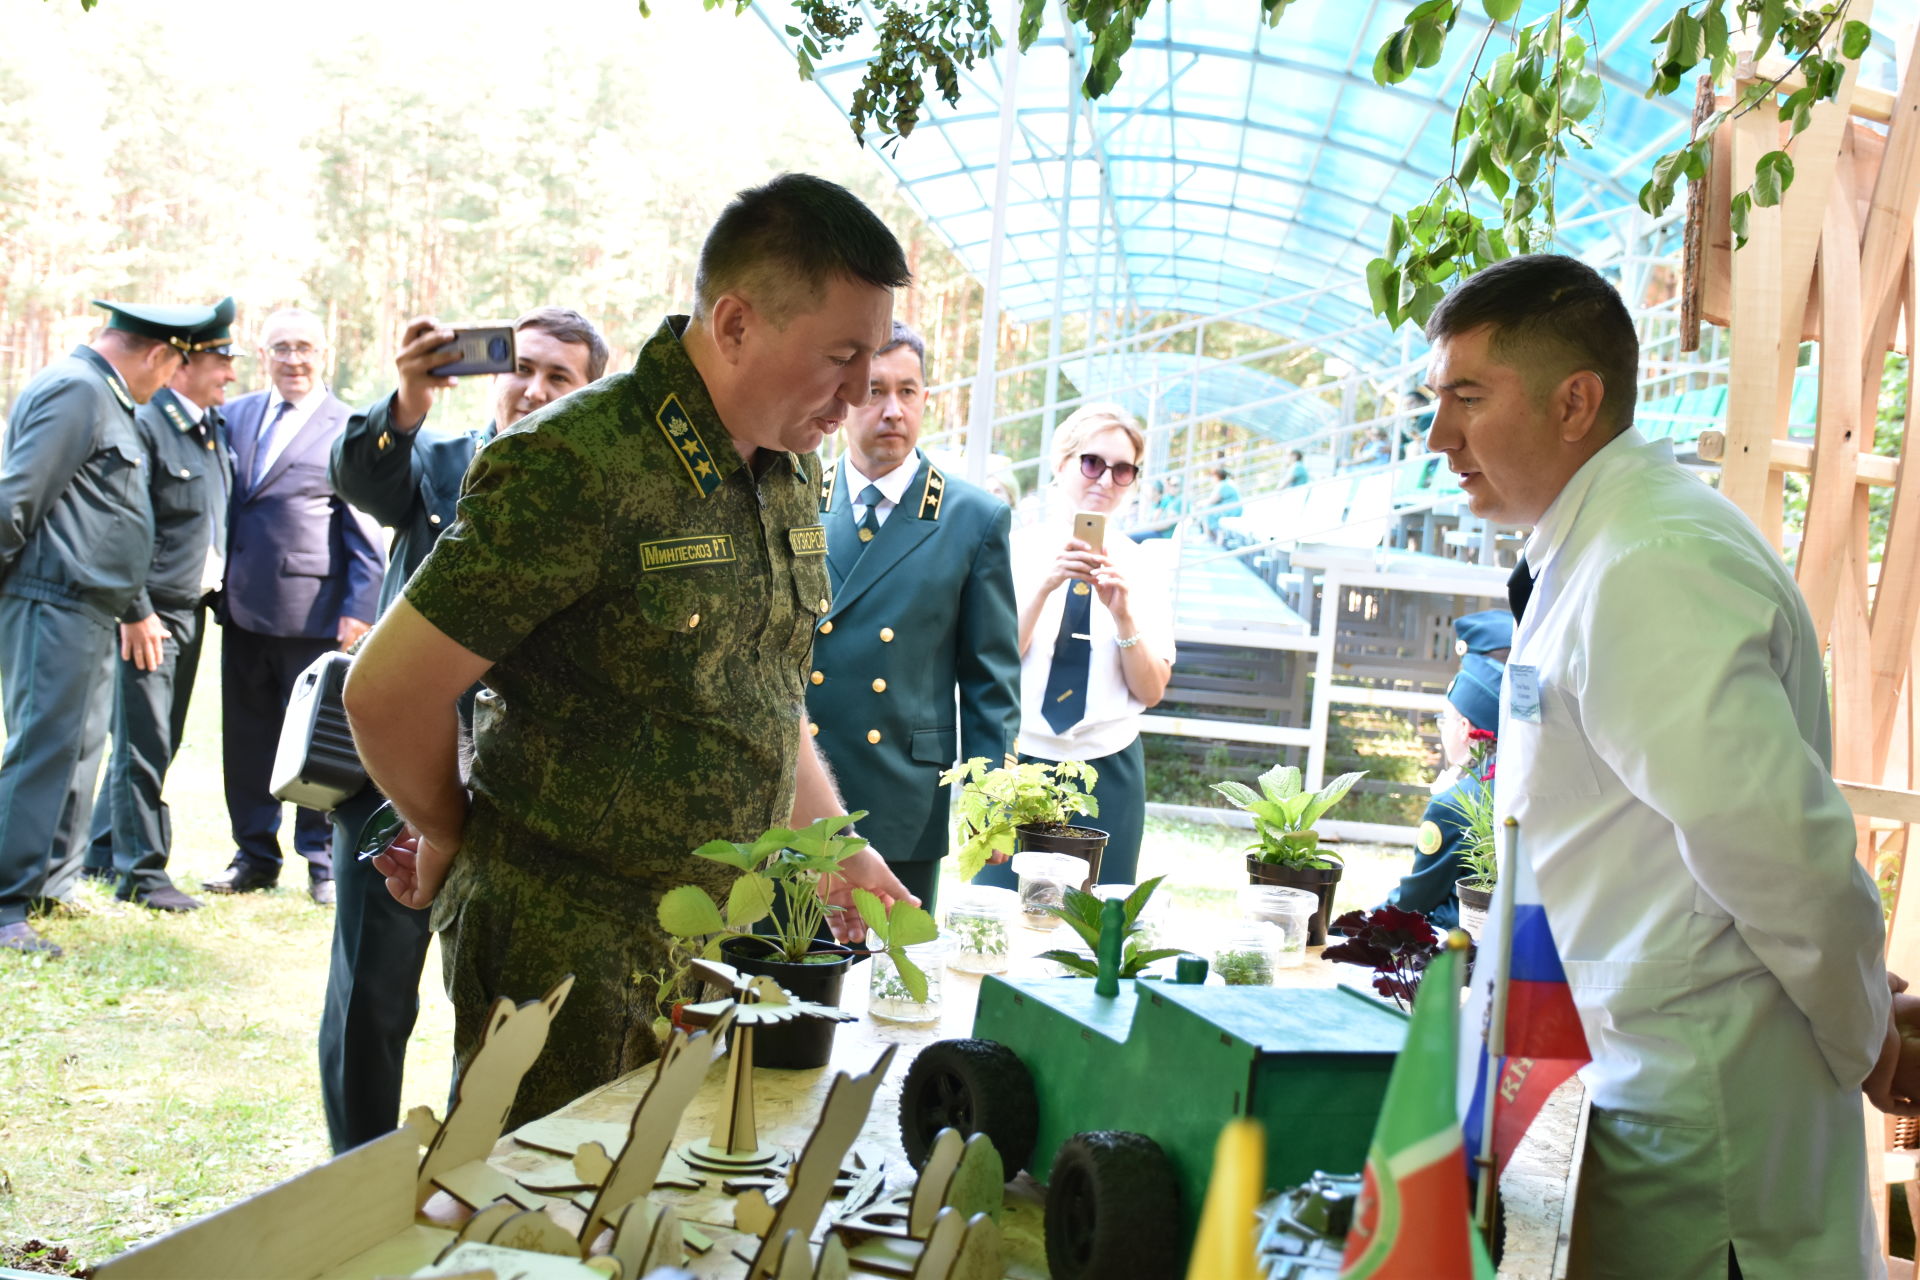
(1540, 1042)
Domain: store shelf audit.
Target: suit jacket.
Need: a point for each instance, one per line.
(924, 609)
(190, 477)
(299, 558)
(408, 481)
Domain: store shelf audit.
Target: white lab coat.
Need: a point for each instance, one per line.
(1697, 866)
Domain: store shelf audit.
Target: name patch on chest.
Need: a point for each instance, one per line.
(678, 553)
(808, 540)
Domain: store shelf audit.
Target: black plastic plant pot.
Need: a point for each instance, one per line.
(1319, 881)
(799, 1043)
(1081, 842)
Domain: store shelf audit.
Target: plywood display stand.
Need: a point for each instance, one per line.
(1834, 264)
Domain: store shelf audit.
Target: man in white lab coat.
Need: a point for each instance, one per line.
(1664, 744)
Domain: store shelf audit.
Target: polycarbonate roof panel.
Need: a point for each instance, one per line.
(1161, 386)
(1240, 166)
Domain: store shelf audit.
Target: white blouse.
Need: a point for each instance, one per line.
(1112, 719)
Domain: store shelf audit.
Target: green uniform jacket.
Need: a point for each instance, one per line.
(926, 607)
(1437, 863)
(192, 479)
(648, 603)
(76, 521)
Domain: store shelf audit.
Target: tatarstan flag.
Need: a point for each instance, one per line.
(1413, 1221)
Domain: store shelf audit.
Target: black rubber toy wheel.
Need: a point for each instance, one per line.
(1113, 1209)
(975, 1086)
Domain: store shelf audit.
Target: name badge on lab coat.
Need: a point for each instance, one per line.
(1523, 693)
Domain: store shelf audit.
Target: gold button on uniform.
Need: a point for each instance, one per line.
(814, 729)
(873, 735)
(823, 606)
(693, 622)
(866, 535)
(826, 628)
(879, 686)
(433, 519)
(816, 677)
(886, 635)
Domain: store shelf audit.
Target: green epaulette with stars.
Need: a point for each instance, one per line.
(677, 426)
(171, 408)
(936, 490)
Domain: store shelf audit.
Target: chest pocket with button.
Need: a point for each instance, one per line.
(812, 599)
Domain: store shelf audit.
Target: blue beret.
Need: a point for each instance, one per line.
(1483, 632)
(1475, 692)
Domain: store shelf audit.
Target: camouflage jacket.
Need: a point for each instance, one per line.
(648, 601)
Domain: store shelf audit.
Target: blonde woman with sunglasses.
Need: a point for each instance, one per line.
(1096, 628)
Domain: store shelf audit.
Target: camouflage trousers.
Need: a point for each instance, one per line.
(516, 916)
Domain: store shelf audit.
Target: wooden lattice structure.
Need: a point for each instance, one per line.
(1834, 264)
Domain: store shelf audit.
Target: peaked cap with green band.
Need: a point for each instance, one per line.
(216, 335)
(174, 325)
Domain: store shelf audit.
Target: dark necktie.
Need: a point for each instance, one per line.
(1066, 696)
(1519, 589)
(264, 448)
(870, 498)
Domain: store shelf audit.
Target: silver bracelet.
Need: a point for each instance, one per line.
(1129, 642)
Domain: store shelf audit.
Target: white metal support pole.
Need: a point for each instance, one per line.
(1054, 326)
(1331, 589)
(985, 379)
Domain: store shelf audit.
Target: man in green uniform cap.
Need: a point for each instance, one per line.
(190, 477)
(76, 538)
(636, 575)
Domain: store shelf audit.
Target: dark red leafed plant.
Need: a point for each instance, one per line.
(1394, 943)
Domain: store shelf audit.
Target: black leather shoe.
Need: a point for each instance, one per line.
(240, 879)
(167, 898)
(22, 938)
(322, 891)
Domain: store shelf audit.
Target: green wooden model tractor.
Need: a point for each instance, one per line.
(1114, 1091)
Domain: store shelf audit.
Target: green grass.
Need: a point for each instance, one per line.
(166, 1067)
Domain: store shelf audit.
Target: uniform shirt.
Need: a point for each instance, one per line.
(892, 486)
(189, 484)
(76, 521)
(1112, 719)
(648, 601)
(1696, 862)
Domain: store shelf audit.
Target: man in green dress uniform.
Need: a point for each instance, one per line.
(76, 538)
(190, 479)
(922, 605)
(636, 575)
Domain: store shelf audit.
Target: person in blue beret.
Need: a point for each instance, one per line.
(1467, 729)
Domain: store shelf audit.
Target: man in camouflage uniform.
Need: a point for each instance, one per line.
(636, 575)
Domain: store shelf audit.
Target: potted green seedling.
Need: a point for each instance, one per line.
(785, 867)
(1081, 911)
(1478, 858)
(1288, 850)
(1025, 808)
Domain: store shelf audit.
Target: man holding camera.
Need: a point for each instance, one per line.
(76, 539)
(408, 479)
(636, 573)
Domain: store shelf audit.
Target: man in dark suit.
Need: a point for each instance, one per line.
(408, 478)
(303, 577)
(190, 478)
(922, 604)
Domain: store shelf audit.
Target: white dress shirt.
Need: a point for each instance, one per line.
(1112, 719)
(303, 409)
(893, 487)
(1696, 862)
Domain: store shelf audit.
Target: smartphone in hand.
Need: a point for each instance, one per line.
(1091, 528)
(487, 349)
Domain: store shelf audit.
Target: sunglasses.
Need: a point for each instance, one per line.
(1093, 466)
